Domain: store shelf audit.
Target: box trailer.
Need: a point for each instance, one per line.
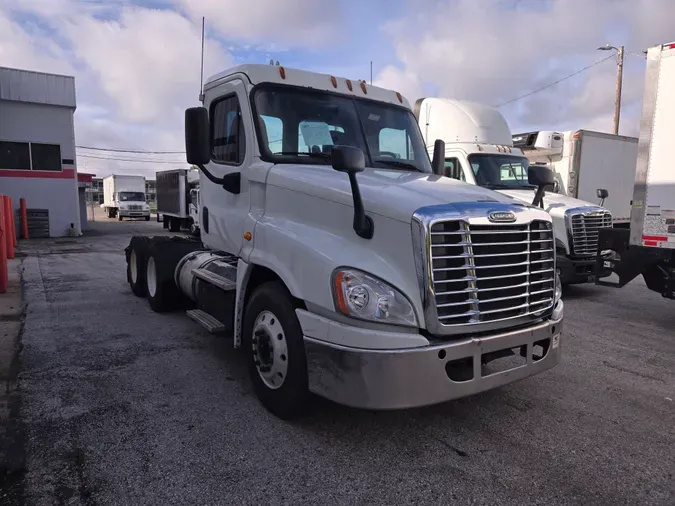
(648, 247)
(124, 197)
(587, 161)
(176, 199)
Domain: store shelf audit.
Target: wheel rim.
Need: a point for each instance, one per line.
(133, 267)
(270, 351)
(151, 277)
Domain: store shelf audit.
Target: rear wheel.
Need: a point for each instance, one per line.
(275, 351)
(174, 225)
(119, 216)
(162, 293)
(136, 272)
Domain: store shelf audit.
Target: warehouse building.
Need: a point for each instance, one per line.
(37, 149)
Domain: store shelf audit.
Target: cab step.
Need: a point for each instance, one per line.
(215, 279)
(213, 325)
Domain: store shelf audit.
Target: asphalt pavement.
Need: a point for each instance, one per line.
(120, 405)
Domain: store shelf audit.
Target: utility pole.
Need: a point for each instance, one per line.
(619, 81)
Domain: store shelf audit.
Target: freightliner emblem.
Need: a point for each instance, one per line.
(502, 217)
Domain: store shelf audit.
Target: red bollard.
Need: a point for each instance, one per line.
(8, 227)
(3, 250)
(24, 218)
(11, 208)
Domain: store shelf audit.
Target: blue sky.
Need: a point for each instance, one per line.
(136, 63)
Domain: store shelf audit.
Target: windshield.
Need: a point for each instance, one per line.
(301, 126)
(131, 197)
(500, 171)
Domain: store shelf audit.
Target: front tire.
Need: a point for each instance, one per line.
(119, 217)
(147, 218)
(273, 343)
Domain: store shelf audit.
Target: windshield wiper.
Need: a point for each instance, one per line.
(323, 156)
(399, 163)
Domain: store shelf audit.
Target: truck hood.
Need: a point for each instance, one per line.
(391, 193)
(554, 203)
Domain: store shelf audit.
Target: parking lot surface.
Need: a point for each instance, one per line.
(120, 405)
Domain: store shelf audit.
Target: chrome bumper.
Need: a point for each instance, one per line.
(133, 214)
(412, 377)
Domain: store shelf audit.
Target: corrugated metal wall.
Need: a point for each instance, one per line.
(36, 87)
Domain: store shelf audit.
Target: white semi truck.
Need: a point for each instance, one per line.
(340, 269)
(647, 248)
(479, 150)
(124, 197)
(586, 161)
(177, 197)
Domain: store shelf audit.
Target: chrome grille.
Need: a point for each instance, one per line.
(487, 273)
(586, 229)
(135, 207)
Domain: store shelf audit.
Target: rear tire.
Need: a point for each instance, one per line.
(162, 294)
(174, 225)
(136, 271)
(273, 343)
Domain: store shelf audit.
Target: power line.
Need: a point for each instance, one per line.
(556, 82)
(113, 159)
(132, 151)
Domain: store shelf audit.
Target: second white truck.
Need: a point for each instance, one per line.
(479, 150)
(586, 161)
(177, 198)
(124, 197)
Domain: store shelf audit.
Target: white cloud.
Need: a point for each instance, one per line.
(274, 23)
(491, 52)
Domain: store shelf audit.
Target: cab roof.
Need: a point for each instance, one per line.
(261, 73)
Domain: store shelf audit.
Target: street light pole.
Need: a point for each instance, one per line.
(619, 81)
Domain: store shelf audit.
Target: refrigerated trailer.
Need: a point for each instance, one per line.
(176, 199)
(648, 247)
(585, 162)
(340, 269)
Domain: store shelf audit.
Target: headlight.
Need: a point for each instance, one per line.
(558, 288)
(363, 296)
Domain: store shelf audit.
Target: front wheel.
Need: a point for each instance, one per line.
(147, 218)
(119, 217)
(275, 351)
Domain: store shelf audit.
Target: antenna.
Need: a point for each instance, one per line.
(201, 76)
(371, 72)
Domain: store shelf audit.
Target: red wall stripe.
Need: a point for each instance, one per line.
(44, 174)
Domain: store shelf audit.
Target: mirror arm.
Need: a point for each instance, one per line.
(363, 224)
(539, 197)
(230, 182)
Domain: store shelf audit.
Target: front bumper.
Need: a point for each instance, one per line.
(421, 376)
(576, 271)
(125, 213)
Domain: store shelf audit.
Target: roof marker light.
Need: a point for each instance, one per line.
(282, 72)
(363, 87)
(349, 85)
(334, 81)
(480, 148)
(400, 98)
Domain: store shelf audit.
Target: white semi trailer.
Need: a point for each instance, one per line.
(480, 151)
(124, 197)
(177, 194)
(342, 270)
(586, 161)
(648, 247)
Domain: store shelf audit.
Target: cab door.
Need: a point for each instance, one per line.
(231, 135)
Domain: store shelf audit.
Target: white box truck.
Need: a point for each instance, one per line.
(585, 162)
(177, 199)
(479, 150)
(648, 247)
(341, 270)
(124, 197)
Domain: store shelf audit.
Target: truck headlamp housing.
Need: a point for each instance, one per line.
(360, 295)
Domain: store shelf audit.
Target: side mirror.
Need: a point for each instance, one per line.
(541, 177)
(348, 159)
(351, 160)
(438, 160)
(602, 195)
(197, 148)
